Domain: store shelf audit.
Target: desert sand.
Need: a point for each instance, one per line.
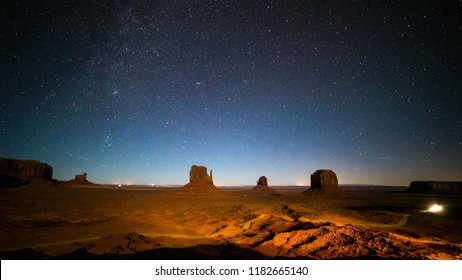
(46, 219)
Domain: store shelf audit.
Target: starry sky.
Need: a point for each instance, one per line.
(138, 91)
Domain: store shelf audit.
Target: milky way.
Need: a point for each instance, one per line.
(138, 91)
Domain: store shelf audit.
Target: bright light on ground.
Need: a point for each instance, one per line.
(435, 208)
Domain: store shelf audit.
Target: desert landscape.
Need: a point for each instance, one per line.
(333, 128)
(42, 218)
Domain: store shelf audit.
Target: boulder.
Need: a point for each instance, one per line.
(262, 186)
(324, 182)
(25, 168)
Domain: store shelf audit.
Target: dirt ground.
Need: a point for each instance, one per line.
(44, 220)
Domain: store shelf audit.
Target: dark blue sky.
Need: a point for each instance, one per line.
(138, 91)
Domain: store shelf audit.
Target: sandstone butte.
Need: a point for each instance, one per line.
(80, 179)
(324, 183)
(199, 181)
(262, 186)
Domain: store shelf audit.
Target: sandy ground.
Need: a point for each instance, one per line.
(43, 220)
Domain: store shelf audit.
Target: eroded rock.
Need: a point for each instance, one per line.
(262, 181)
(324, 179)
(324, 182)
(198, 175)
(262, 186)
(25, 168)
(199, 181)
(80, 179)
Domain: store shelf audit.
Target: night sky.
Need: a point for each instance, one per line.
(138, 91)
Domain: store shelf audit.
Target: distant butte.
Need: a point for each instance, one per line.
(199, 181)
(262, 186)
(80, 179)
(324, 182)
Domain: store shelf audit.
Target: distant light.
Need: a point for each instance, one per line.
(435, 208)
(120, 185)
(152, 185)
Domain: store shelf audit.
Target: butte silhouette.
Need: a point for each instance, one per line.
(199, 182)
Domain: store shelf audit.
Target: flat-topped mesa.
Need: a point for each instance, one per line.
(198, 175)
(434, 187)
(324, 182)
(25, 168)
(324, 179)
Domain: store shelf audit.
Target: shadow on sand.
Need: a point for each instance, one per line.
(199, 252)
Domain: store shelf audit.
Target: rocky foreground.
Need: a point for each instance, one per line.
(282, 236)
(265, 237)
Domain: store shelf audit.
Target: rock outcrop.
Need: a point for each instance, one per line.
(434, 186)
(80, 179)
(262, 181)
(25, 168)
(262, 186)
(198, 175)
(324, 179)
(17, 172)
(199, 181)
(324, 182)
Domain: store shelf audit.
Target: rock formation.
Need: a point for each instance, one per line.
(198, 175)
(25, 168)
(262, 186)
(17, 172)
(80, 179)
(324, 182)
(199, 181)
(324, 179)
(434, 186)
(262, 181)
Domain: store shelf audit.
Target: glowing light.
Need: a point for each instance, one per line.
(120, 185)
(435, 208)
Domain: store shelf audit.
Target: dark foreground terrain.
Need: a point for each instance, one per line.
(48, 220)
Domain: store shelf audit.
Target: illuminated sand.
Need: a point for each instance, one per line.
(42, 220)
